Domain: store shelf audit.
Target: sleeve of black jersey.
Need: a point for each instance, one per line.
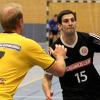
(95, 42)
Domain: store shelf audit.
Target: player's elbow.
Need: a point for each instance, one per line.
(57, 69)
(60, 68)
(61, 72)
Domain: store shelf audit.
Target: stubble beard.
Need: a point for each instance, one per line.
(70, 32)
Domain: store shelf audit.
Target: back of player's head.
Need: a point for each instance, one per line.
(9, 15)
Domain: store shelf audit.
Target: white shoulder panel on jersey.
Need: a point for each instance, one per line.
(95, 35)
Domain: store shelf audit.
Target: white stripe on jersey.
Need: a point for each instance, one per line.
(94, 35)
(96, 62)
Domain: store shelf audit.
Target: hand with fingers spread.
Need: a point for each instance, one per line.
(60, 51)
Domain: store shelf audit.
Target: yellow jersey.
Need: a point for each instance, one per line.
(17, 55)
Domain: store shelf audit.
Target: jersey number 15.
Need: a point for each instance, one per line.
(81, 76)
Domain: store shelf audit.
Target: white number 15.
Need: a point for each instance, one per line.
(81, 76)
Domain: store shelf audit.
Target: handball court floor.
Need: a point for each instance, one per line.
(31, 89)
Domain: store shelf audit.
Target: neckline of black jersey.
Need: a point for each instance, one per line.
(73, 45)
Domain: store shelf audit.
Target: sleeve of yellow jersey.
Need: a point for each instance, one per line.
(38, 56)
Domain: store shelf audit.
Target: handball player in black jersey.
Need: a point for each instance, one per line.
(81, 80)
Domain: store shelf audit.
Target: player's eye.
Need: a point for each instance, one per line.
(72, 19)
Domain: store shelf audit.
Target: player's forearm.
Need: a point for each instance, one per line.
(60, 65)
(46, 85)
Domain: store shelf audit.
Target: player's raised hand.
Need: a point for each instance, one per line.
(60, 51)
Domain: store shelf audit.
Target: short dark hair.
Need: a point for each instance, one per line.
(64, 12)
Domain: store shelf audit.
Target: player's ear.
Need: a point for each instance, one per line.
(21, 21)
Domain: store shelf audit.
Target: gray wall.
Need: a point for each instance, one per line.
(34, 31)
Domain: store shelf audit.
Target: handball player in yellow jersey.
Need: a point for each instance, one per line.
(18, 54)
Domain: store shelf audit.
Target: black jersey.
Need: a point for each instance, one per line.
(81, 78)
